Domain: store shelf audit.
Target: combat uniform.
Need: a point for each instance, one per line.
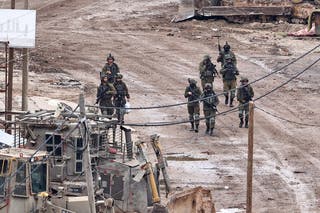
(226, 53)
(229, 72)
(110, 69)
(244, 95)
(210, 102)
(120, 97)
(105, 93)
(207, 71)
(193, 93)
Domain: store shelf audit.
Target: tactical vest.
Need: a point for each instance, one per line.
(120, 89)
(209, 71)
(209, 103)
(230, 72)
(194, 96)
(245, 94)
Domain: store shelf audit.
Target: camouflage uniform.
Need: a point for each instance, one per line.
(193, 92)
(110, 69)
(244, 95)
(120, 97)
(226, 53)
(105, 93)
(229, 72)
(210, 103)
(207, 71)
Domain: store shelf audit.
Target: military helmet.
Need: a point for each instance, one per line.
(244, 79)
(208, 86)
(192, 81)
(119, 76)
(110, 57)
(206, 57)
(226, 47)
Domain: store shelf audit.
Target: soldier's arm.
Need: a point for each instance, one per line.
(198, 91)
(112, 90)
(186, 95)
(238, 95)
(234, 59)
(251, 92)
(126, 91)
(222, 71)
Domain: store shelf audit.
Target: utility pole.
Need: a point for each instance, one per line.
(250, 158)
(8, 116)
(25, 71)
(86, 156)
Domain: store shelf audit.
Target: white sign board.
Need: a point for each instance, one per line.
(18, 27)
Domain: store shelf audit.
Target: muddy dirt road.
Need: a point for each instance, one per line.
(156, 58)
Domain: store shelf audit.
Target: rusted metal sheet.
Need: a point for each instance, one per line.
(245, 11)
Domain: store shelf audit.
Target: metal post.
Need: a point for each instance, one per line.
(25, 71)
(10, 80)
(86, 157)
(250, 158)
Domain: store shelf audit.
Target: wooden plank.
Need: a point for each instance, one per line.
(244, 11)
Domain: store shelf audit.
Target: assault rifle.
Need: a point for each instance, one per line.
(102, 94)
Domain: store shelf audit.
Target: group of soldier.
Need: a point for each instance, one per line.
(210, 100)
(112, 91)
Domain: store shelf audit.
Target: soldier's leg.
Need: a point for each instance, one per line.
(196, 117)
(225, 91)
(212, 121)
(191, 118)
(233, 85)
(110, 111)
(246, 113)
(207, 116)
(241, 116)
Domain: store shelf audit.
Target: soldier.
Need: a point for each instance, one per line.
(229, 72)
(226, 52)
(110, 69)
(210, 102)
(193, 93)
(105, 93)
(207, 71)
(244, 95)
(121, 97)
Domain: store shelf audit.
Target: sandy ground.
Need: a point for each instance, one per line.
(156, 57)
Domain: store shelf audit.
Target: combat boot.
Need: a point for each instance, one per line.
(246, 124)
(197, 128)
(241, 123)
(207, 130)
(211, 131)
(192, 126)
(226, 100)
(231, 102)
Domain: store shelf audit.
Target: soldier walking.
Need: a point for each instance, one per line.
(244, 95)
(110, 69)
(229, 72)
(105, 93)
(193, 93)
(207, 71)
(226, 52)
(121, 98)
(210, 103)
